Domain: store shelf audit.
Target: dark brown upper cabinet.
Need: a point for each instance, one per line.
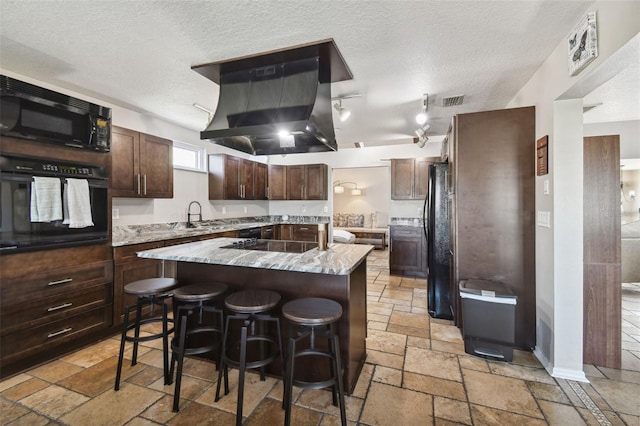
(141, 166)
(235, 178)
(277, 187)
(307, 182)
(410, 178)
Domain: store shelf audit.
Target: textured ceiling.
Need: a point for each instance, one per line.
(139, 54)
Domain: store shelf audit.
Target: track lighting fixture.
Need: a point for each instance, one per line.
(343, 112)
(421, 118)
(422, 131)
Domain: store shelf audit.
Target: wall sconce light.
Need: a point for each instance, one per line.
(338, 188)
(421, 118)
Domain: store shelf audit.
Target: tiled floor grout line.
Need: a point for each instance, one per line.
(588, 402)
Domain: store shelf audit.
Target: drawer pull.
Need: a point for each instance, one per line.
(303, 229)
(66, 280)
(57, 333)
(55, 308)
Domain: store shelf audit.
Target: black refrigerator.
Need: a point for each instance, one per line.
(435, 217)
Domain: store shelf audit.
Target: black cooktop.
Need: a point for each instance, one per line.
(272, 245)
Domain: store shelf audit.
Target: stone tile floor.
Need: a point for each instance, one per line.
(416, 374)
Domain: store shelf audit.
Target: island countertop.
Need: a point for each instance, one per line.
(338, 259)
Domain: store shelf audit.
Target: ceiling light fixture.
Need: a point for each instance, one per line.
(421, 118)
(343, 112)
(422, 131)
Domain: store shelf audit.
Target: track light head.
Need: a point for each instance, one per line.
(343, 113)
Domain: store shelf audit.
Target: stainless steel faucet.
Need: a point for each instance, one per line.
(189, 214)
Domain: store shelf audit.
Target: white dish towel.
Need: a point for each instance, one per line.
(46, 202)
(77, 204)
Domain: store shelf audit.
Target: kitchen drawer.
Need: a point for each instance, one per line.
(305, 233)
(56, 281)
(126, 254)
(53, 334)
(24, 315)
(406, 231)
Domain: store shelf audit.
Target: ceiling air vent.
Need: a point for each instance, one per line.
(452, 101)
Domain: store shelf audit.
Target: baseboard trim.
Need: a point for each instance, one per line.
(559, 373)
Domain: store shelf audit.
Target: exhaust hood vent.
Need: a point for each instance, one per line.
(278, 102)
(452, 101)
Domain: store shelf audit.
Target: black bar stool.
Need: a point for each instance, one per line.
(310, 317)
(252, 308)
(152, 291)
(195, 299)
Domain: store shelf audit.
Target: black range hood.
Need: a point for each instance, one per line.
(277, 102)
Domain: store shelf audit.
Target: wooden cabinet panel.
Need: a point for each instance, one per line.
(156, 166)
(295, 182)
(260, 181)
(410, 178)
(316, 181)
(125, 170)
(20, 315)
(421, 178)
(402, 179)
(28, 342)
(277, 188)
(493, 209)
(602, 252)
(234, 178)
(142, 165)
(50, 301)
(407, 251)
(127, 273)
(305, 233)
(307, 182)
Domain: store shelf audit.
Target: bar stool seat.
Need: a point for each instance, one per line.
(309, 317)
(152, 292)
(190, 300)
(251, 308)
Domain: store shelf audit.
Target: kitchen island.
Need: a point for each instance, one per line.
(338, 273)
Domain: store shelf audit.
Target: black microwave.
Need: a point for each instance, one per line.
(32, 112)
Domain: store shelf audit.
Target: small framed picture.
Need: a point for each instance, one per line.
(582, 44)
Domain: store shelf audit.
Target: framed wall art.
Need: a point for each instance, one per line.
(582, 44)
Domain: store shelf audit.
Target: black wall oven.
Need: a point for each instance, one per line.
(20, 233)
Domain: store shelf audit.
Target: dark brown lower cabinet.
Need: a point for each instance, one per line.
(407, 251)
(52, 302)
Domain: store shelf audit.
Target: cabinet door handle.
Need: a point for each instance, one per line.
(302, 192)
(57, 333)
(266, 192)
(138, 183)
(145, 184)
(55, 308)
(62, 281)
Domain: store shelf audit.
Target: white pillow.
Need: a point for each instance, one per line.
(381, 220)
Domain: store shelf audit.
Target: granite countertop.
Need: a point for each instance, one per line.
(137, 234)
(338, 259)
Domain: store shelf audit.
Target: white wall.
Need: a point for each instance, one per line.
(558, 272)
(375, 186)
(629, 132)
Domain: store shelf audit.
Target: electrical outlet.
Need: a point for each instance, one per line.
(546, 187)
(303, 208)
(326, 209)
(224, 210)
(419, 210)
(245, 209)
(115, 213)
